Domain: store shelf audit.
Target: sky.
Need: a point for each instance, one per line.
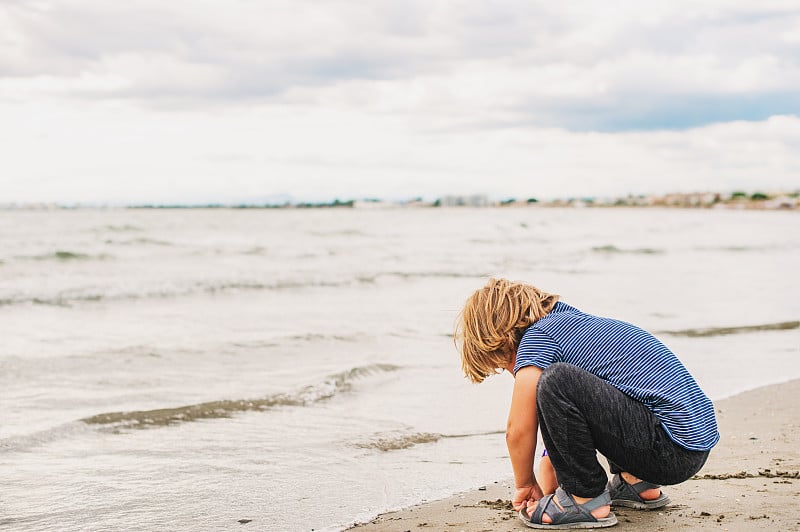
(254, 101)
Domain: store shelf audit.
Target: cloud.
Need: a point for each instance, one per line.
(117, 152)
(172, 101)
(571, 66)
(250, 45)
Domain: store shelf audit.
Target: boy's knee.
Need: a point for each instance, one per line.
(555, 374)
(554, 379)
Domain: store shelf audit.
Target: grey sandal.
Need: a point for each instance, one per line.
(570, 515)
(629, 495)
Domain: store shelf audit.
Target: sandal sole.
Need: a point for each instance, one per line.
(655, 504)
(603, 522)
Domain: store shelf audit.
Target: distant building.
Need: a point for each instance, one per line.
(782, 202)
(476, 200)
(372, 204)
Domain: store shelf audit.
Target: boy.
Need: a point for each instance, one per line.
(589, 384)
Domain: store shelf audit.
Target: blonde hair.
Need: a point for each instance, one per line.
(492, 323)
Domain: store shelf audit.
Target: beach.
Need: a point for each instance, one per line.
(185, 369)
(751, 481)
(239, 240)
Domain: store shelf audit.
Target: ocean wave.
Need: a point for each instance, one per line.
(634, 251)
(397, 441)
(434, 275)
(342, 232)
(42, 437)
(394, 443)
(721, 331)
(318, 337)
(64, 255)
(67, 298)
(124, 228)
(744, 248)
(57, 301)
(138, 241)
(257, 250)
(225, 408)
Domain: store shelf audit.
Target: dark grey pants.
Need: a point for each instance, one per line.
(580, 413)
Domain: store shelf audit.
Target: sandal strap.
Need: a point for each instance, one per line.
(541, 509)
(621, 490)
(620, 483)
(643, 486)
(567, 501)
(601, 500)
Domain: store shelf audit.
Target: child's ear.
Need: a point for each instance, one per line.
(510, 343)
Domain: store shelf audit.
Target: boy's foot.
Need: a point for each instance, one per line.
(564, 511)
(647, 493)
(631, 492)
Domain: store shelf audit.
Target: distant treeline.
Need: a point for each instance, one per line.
(334, 203)
(736, 199)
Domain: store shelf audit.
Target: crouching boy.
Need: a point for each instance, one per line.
(589, 384)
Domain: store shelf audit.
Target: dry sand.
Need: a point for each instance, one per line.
(750, 481)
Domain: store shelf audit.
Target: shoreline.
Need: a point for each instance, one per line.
(751, 480)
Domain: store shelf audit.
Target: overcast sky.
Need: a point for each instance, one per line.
(246, 100)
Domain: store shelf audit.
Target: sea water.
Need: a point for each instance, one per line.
(187, 369)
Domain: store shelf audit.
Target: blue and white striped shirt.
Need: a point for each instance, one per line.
(630, 359)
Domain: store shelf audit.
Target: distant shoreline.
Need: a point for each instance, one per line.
(785, 201)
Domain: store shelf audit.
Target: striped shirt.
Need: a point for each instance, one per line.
(630, 359)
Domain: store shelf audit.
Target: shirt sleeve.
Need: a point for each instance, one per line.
(536, 348)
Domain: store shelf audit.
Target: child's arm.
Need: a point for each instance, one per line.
(523, 424)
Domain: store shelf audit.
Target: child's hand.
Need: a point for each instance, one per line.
(524, 494)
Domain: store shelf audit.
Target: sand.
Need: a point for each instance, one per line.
(751, 481)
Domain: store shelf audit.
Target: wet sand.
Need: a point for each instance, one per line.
(751, 481)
